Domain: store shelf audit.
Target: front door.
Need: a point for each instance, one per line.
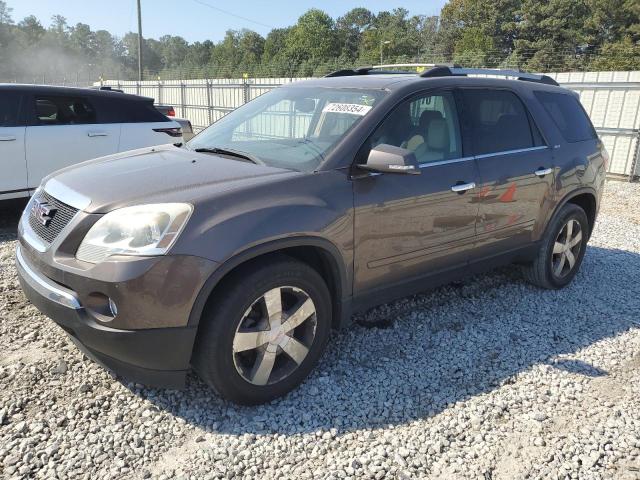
(516, 170)
(407, 226)
(13, 180)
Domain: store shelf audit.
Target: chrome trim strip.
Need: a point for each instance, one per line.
(43, 286)
(445, 162)
(26, 232)
(477, 157)
(32, 239)
(63, 193)
(510, 152)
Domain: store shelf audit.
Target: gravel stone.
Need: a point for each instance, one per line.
(486, 378)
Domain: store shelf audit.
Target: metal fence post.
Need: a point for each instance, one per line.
(182, 99)
(160, 92)
(245, 88)
(634, 162)
(138, 88)
(209, 105)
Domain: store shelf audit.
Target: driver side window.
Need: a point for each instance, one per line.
(426, 125)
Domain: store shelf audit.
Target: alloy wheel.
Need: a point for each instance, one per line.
(566, 248)
(274, 335)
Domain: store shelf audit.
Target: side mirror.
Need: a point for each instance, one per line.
(385, 158)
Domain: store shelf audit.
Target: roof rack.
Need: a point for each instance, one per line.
(380, 69)
(446, 71)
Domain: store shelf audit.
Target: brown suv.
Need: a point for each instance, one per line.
(239, 252)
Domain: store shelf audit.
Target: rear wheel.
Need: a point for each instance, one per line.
(561, 250)
(264, 331)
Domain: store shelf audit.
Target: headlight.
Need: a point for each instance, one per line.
(140, 230)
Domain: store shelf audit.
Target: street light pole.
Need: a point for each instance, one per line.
(139, 42)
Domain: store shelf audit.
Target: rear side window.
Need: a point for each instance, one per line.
(122, 110)
(10, 109)
(53, 110)
(498, 120)
(568, 115)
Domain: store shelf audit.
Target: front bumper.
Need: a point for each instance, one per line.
(157, 357)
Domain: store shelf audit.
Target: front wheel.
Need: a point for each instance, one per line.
(561, 250)
(264, 331)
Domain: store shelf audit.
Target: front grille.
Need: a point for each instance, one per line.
(59, 219)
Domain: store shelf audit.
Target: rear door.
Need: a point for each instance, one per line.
(410, 226)
(65, 130)
(142, 125)
(13, 179)
(516, 169)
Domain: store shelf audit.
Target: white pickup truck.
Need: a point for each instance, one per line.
(44, 128)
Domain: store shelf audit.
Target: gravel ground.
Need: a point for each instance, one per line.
(488, 378)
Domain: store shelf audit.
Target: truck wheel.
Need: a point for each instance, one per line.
(561, 249)
(264, 331)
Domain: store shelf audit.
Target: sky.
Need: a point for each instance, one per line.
(193, 19)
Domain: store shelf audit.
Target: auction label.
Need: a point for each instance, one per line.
(352, 108)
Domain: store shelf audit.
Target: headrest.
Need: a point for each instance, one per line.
(438, 135)
(427, 116)
(79, 109)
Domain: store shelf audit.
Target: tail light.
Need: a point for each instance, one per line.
(172, 132)
(171, 112)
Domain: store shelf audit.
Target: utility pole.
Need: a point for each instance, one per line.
(139, 42)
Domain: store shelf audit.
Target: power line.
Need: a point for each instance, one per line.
(204, 4)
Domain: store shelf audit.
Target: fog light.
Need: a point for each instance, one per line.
(113, 308)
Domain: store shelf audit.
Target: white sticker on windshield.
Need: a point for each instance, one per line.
(352, 108)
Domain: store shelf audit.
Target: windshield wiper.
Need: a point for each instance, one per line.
(229, 152)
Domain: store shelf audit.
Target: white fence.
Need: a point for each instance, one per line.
(612, 100)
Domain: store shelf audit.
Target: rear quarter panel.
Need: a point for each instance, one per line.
(140, 135)
(578, 167)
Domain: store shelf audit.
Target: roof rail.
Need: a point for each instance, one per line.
(380, 69)
(417, 65)
(445, 71)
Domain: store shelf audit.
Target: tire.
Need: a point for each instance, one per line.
(237, 317)
(545, 271)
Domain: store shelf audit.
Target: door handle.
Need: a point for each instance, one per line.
(541, 172)
(462, 187)
(97, 134)
(7, 138)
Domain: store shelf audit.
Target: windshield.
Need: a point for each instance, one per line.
(289, 127)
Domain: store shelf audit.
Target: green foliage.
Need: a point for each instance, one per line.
(538, 35)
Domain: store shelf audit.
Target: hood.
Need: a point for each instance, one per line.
(151, 175)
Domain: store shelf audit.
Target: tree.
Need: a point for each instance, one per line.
(313, 39)
(32, 29)
(83, 40)
(549, 33)
(173, 50)
(150, 53)
(250, 49)
(480, 27)
(5, 14)
(349, 29)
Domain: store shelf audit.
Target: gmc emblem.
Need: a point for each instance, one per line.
(43, 212)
